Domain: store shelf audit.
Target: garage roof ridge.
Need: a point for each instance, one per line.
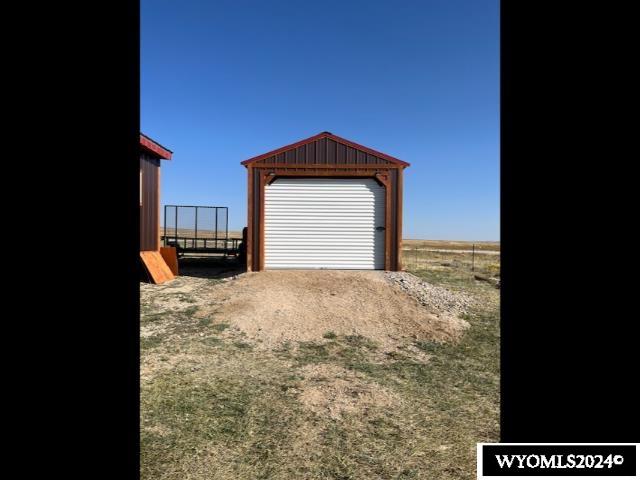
(333, 137)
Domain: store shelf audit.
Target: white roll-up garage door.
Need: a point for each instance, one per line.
(331, 223)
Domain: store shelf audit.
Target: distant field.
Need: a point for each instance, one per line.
(449, 244)
(455, 257)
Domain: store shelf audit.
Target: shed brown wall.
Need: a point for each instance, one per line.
(322, 152)
(323, 158)
(150, 208)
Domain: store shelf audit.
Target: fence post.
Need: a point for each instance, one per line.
(175, 232)
(216, 227)
(473, 257)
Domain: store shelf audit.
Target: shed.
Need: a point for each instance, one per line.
(160, 263)
(151, 152)
(324, 203)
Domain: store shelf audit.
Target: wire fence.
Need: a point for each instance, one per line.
(475, 258)
(198, 229)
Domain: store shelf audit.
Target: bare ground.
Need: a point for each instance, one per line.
(334, 391)
(323, 374)
(276, 307)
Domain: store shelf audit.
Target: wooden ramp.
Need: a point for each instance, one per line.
(156, 266)
(171, 258)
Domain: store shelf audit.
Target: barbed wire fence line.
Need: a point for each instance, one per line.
(475, 259)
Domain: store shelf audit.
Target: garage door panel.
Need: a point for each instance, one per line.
(322, 249)
(353, 231)
(302, 207)
(321, 222)
(324, 223)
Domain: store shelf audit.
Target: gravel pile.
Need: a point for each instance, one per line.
(438, 299)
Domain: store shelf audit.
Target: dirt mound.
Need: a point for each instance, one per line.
(334, 391)
(275, 307)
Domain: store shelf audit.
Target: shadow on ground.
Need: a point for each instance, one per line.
(208, 267)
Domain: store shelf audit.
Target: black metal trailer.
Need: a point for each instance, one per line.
(199, 229)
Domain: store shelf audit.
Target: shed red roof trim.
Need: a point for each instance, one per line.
(154, 147)
(330, 135)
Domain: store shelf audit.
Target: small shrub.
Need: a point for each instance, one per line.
(190, 311)
(150, 342)
(211, 341)
(220, 327)
(360, 341)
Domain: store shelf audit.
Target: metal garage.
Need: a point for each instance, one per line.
(324, 203)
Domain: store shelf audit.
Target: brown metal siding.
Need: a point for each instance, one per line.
(149, 210)
(255, 231)
(393, 174)
(324, 151)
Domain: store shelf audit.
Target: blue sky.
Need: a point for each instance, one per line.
(222, 81)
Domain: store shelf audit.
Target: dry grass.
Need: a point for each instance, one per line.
(417, 257)
(214, 406)
(450, 244)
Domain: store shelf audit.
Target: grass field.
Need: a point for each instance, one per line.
(456, 261)
(213, 406)
(450, 245)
